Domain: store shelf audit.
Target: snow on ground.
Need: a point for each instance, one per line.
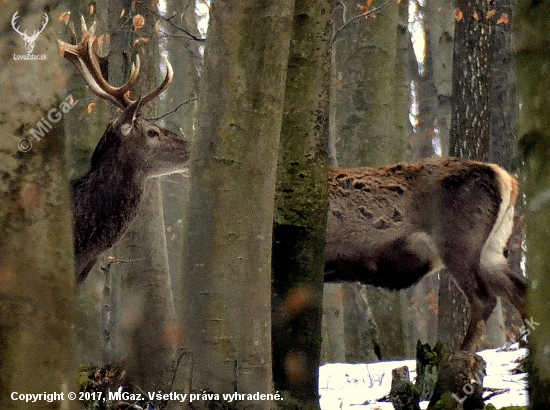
(361, 386)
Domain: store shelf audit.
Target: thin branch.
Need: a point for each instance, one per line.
(188, 33)
(494, 392)
(365, 15)
(172, 111)
(344, 10)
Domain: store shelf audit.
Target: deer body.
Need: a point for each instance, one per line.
(390, 226)
(131, 150)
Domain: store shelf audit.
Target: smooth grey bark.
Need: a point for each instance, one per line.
(364, 57)
(186, 60)
(227, 277)
(82, 137)
(140, 287)
(36, 263)
(533, 53)
(433, 84)
(364, 94)
(439, 41)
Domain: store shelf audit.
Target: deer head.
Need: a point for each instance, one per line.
(29, 40)
(390, 226)
(131, 150)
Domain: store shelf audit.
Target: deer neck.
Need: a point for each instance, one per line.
(105, 201)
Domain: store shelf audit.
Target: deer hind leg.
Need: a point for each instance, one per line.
(481, 302)
(501, 281)
(495, 272)
(481, 307)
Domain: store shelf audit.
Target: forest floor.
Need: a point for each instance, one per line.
(367, 386)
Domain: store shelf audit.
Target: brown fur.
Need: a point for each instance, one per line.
(390, 226)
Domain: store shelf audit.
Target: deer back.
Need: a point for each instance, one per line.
(389, 226)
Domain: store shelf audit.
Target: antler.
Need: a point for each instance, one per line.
(86, 61)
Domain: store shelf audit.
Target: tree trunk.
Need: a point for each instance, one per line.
(533, 54)
(141, 291)
(470, 127)
(472, 74)
(186, 59)
(430, 111)
(227, 278)
(439, 39)
(504, 144)
(363, 98)
(460, 382)
(36, 263)
(301, 205)
(364, 54)
(82, 137)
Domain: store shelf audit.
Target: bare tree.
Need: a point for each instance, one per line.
(227, 279)
(36, 266)
(363, 97)
(533, 20)
(301, 205)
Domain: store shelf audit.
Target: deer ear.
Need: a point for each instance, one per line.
(128, 117)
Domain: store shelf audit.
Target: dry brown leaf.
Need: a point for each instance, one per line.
(503, 19)
(458, 14)
(476, 16)
(122, 13)
(138, 21)
(92, 9)
(100, 44)
(65, 17)
(364, 9)
(490, 14)
(90, 108)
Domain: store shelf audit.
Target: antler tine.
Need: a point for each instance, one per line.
(116, 92)
(78, 56)
(86, 60)
(165, 83)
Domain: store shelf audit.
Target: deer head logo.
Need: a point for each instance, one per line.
(29, 40)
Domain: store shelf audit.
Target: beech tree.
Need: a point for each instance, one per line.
(36, 263)
(533, 53)
(227, 279)
(301, 206)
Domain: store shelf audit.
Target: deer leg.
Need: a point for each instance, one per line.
(481, 307)
(501, 281)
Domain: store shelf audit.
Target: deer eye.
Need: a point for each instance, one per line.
(152, 133)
